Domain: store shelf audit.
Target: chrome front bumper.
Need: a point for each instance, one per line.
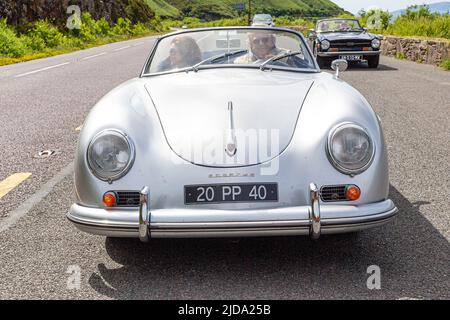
(347, 53)
(313, 220)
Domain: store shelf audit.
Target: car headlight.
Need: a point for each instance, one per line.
(110, 155)
(325, 44)
(350, 148)
(376, 43)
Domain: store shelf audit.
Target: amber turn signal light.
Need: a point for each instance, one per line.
(352, 193)
(109, 199)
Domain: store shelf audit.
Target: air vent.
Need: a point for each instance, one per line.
(127, 198)
(333, 193)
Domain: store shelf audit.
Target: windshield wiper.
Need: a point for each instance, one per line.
(216, 57)
(262, 67)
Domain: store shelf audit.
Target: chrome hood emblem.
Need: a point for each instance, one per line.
(231, 145)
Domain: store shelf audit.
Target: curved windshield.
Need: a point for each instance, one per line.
(230, 47)
(338, 25)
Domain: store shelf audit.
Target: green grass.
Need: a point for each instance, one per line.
(416, 22)
(446, 64)
(163, 9)
(430, 27)
(400, 56)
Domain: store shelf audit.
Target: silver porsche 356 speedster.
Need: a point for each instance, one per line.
(231, 132)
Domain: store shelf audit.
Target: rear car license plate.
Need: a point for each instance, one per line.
(351, 57)
(237, 192)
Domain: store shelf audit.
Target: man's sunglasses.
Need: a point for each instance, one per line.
(264, 40)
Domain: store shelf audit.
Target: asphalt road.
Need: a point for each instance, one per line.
(42, 103)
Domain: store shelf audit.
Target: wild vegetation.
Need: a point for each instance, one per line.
(26, 35)
(446, 64)
(224, 9)
(42, 38)
(416, 21)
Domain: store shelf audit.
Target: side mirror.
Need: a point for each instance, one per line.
(365, 29)
(339, 65)
(312, 35)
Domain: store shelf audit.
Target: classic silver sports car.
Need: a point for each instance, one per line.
(231, 132)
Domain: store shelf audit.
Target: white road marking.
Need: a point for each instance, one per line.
(122, 48)
(12, 181)
(79, 128)
(139, 44)
(28, 204)
(93, 56)
(40, 70)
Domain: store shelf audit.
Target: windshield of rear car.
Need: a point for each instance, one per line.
(262, 18)
(341, 25)
(229, 48)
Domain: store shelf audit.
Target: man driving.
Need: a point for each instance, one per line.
(262, 47)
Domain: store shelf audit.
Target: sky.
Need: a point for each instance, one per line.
(355, 5)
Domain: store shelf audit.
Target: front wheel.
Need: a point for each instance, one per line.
(373, 61)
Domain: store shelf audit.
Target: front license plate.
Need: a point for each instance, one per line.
(238, 192)
(351, 57)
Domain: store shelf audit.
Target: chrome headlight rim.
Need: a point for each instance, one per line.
(378, 43)
(332, 159)
(130, 163)
(328, 44)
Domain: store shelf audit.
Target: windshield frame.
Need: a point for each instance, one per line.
(316, 68)
(338, 19)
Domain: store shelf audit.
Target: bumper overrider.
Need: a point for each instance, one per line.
(313, 220)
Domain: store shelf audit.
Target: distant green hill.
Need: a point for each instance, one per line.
(216, 9)
(163, 9)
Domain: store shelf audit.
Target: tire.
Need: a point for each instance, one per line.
(373, 62)
(323, 62)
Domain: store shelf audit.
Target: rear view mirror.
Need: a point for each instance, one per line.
(228, 44)
(339, 65)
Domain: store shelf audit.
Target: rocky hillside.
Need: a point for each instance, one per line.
(19, 11)
(212, 9)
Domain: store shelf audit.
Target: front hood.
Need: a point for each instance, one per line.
(193, 109)
(336, 36)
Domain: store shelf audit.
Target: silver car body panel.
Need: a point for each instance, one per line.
(145, 109)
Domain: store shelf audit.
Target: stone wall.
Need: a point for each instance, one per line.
(422, 51)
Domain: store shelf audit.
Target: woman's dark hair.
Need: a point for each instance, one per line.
(189, 49)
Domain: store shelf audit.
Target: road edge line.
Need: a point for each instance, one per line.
(15, 215)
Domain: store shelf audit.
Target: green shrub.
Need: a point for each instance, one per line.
(436, 26)
(43, 34)
(400, 56)
(103, 28)
(10, 44)
(122, 27)
(89, 28)
(446, 64)
(138, 29)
